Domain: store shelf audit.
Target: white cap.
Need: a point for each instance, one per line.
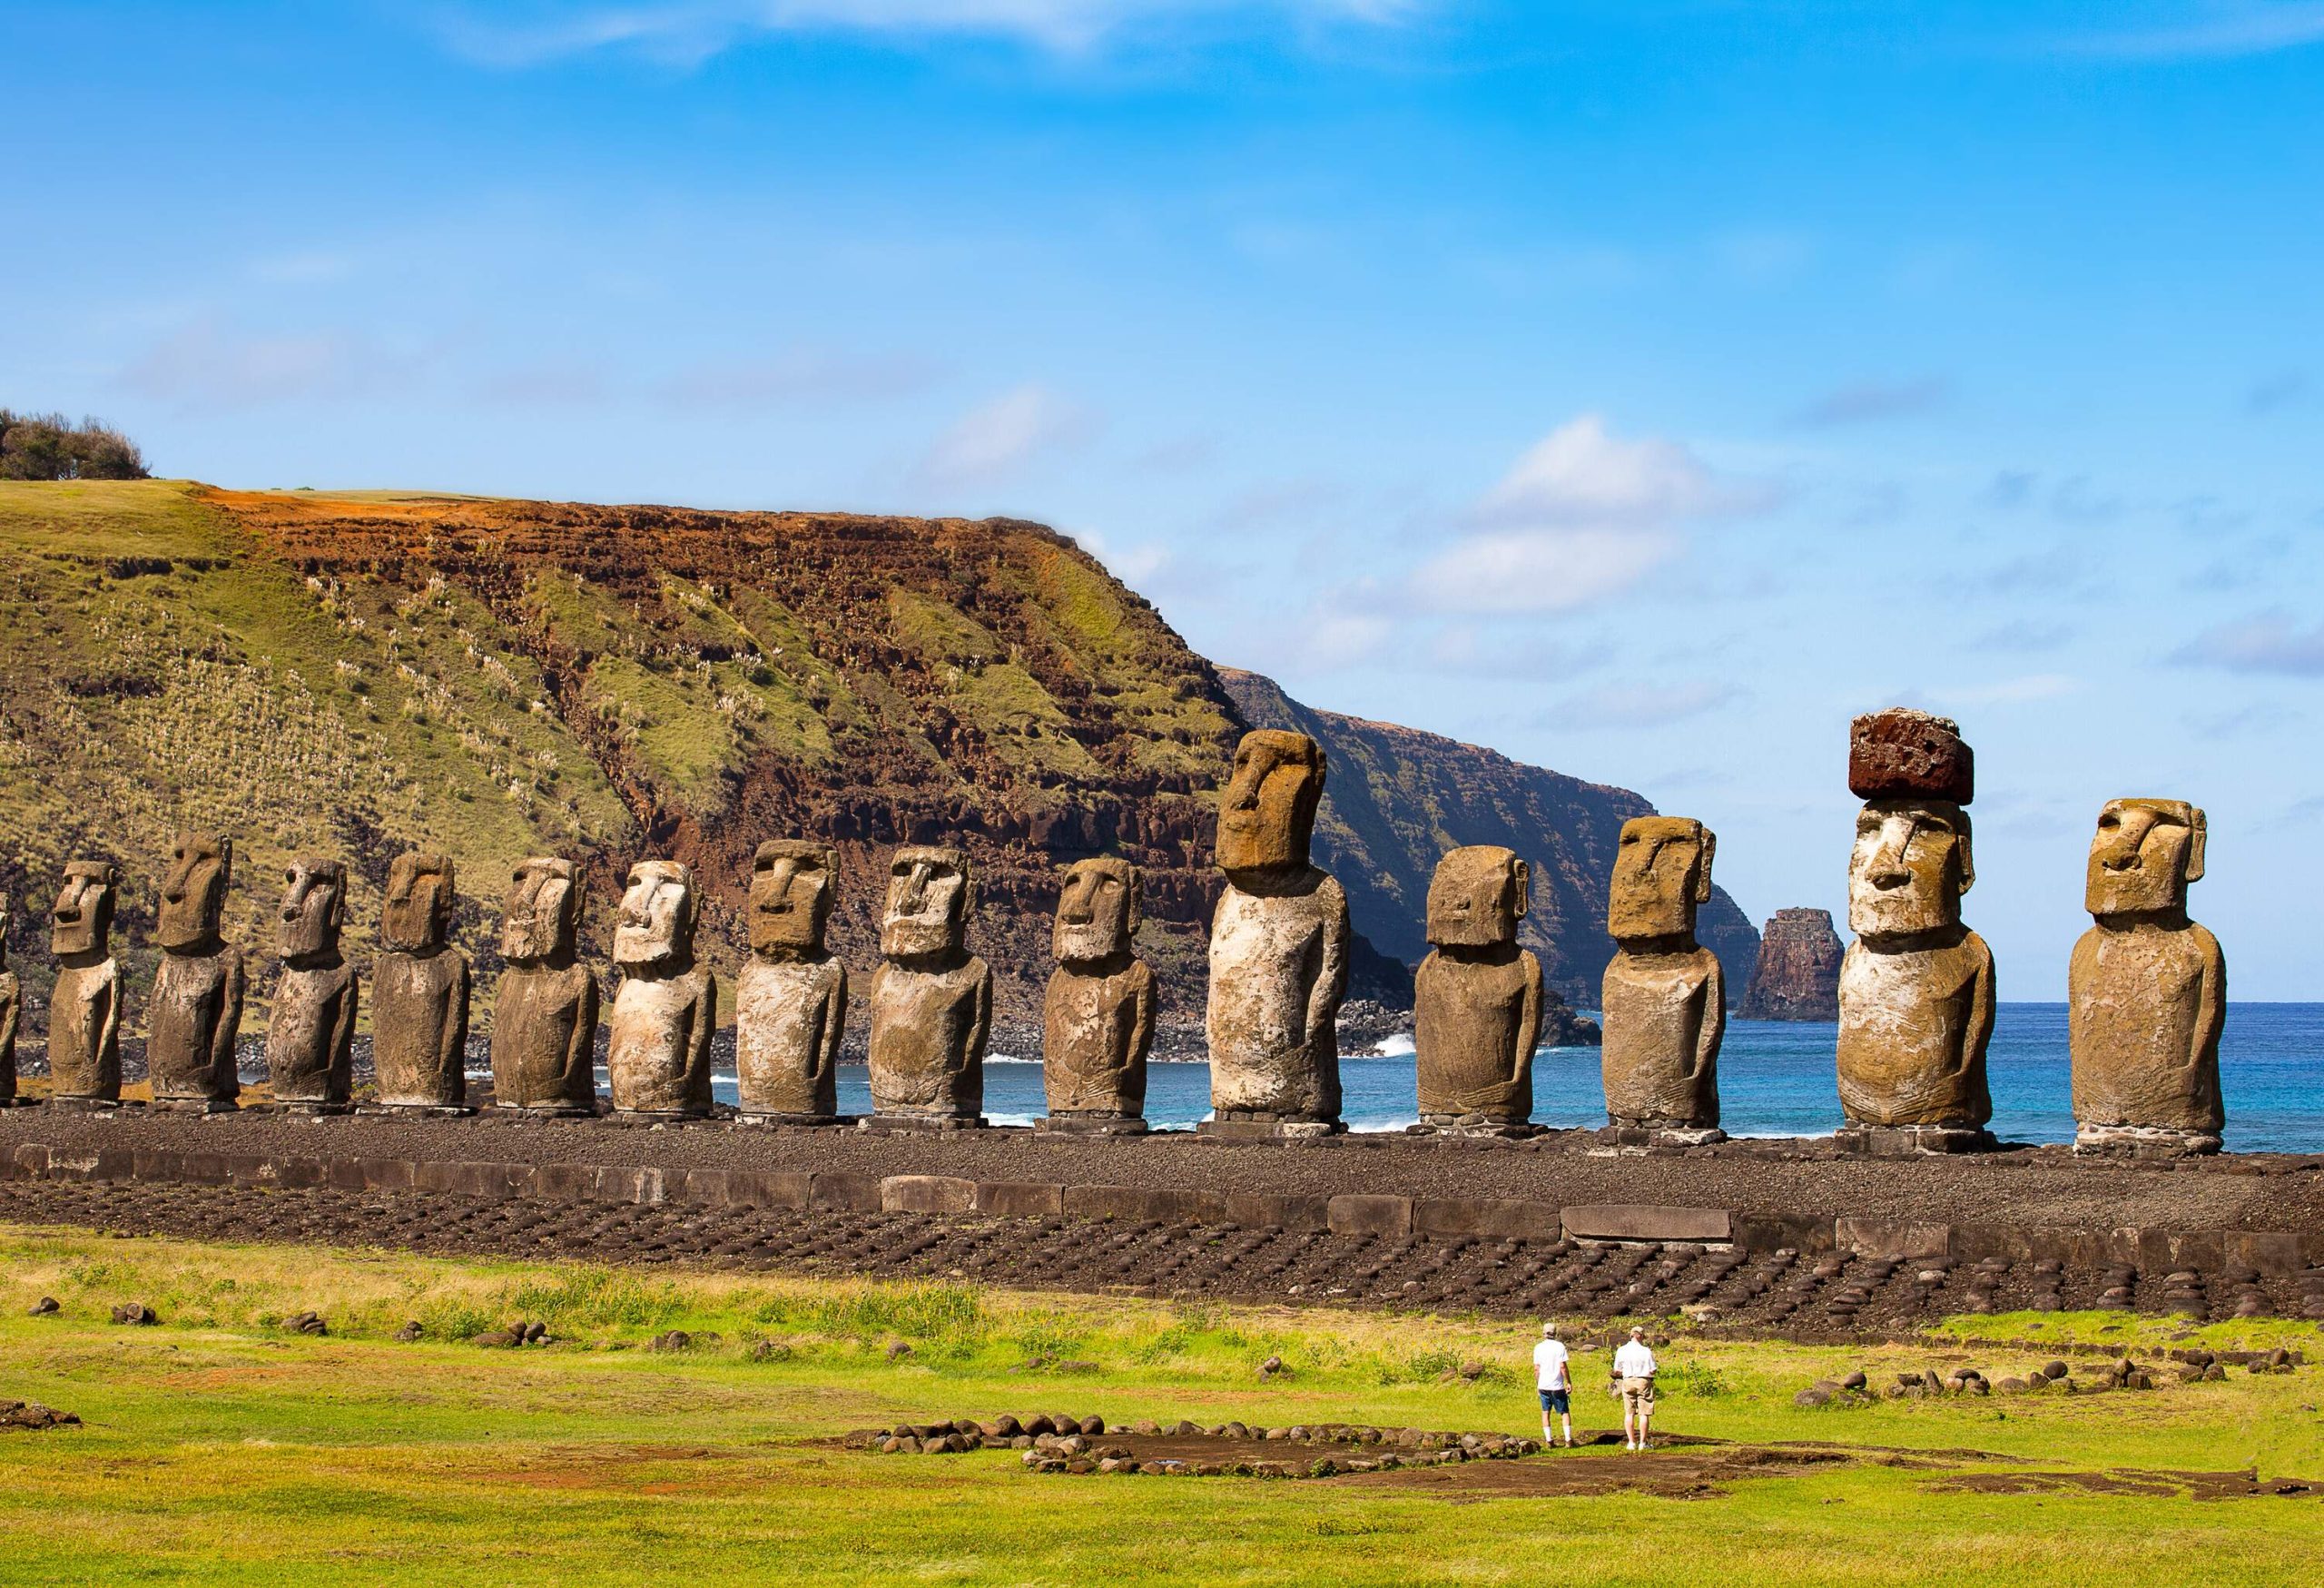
(1548, 1329)
(1637, 1331)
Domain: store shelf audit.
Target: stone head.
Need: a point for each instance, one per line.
(930, 896)
(1661, 873)
(418, 915)
(1268, 815)
(82, 921)
(314, 907)
(1098, 909)
(657, 917)
(792, 883)
(540, 917)
(194, 892)
(2144, 855)
(1910, 866)
(1476, 897)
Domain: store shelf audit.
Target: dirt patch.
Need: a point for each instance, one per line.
(1681, 1474)
(2123, 1480)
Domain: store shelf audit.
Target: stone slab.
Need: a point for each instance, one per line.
(844, 1192)
(1019, 1199)
(1134, 1205)
(1296, 1215)
(1770, 1232)
(926, 1194)
(1487, 1219)
(1367, 1214)
(1893, 1237)
(1646, 1221)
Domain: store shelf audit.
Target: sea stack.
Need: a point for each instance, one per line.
(1797, 975)
(1917, 987)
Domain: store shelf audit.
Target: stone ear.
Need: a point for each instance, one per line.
(1524, 887)
(338, 903)
(1136, 899)
(225, 862)
(1969, 856)
(1708, 847)
(2199, 830)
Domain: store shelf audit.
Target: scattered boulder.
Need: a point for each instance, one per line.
(137, 1314)
(1271, 1367)
(44, 1306)
(897, 1349)
(306, 1323)
(672, 1340)
(33, 1415)
(409, 1332)
(496, 1340)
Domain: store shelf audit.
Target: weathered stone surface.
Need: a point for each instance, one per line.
(2147, 987)
(1642, 1221)
(419, 997)
(658, 1058)
(1901, 753)
(791, 999)
(10, 1009)
(196, 1009)
(1798, 976)
(1664, 1000)
(1098, 1020)
(1917, 987)
(1279, 942)
(544, 1011)
(310, 1026)
(1477, 999)
(85, 1005)
(931, 1000)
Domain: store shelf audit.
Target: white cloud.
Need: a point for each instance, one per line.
(2240, 27)
(687, 33)
(1002, 436)
(1581, 473)
(1554, 569)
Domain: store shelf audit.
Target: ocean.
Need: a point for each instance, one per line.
(1775, 1079)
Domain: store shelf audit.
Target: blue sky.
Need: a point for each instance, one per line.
(1638, 388)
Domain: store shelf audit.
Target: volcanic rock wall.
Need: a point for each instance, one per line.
(1798, 976)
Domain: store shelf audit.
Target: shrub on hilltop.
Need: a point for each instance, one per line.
(35, 445)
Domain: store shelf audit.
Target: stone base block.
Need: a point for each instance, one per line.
(194, 1106)
(420, 1110)
(1650, 1134)
(767, 1121)
(546, 1111)
(1090, 1125)
(655, 1117)
(301, 1106)
(1912, 1140)
(1475, 1125)
(2144, 1141)
(83, 1104)
(922, 1123)
(1255, 1128)
(14, 1102)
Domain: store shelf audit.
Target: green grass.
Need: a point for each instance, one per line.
(220, 1448)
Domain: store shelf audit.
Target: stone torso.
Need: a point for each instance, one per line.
(544, 1031)
(191, 1022)
(1278, 966)
(2147, 1004)
(1096, 1029)
(83, 1031)
(788, 1015)
(658, 1060)
(1469, 1021)
(927, 1039)
(1659, 1010)
(1912, 1030)
(11, 1006)
(419, 1023)
(309, 1034)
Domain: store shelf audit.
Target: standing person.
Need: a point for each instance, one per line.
(1634, 1371)
(1554, 1384)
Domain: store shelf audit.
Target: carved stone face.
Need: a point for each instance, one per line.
(2144, 855)
(1097, 910)
(930, 896)
(657, 914)
(1661, 873)
(314, 907)
(1910, 866)
(540, 918)
(1268, 813)
(82, 921)
(791, 884)
(4, 902)
(1476, 897)
(418, 911)
(194, 892)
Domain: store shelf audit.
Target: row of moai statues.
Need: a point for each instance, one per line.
(2147, 987)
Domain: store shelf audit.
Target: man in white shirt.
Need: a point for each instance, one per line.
(1634, 1371)
(1555, 1387)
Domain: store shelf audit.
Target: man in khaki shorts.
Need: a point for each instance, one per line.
(1634, 1371)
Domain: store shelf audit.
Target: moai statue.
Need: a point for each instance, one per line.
(667, 1004)
(1477, 1000)
(420, 991)
(196, 1011)
(544, 1011)
(931, 1000)
(1278, 950)
(791, 999)
(310, 1035)
(1664, 1000)
(1098, 1020)
(2147, 988)
(1917, 987)
(11, 1006)
(84, 1008)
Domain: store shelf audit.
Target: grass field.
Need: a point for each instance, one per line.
(220, 1447)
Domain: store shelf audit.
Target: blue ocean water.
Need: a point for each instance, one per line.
(1776, 1080)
